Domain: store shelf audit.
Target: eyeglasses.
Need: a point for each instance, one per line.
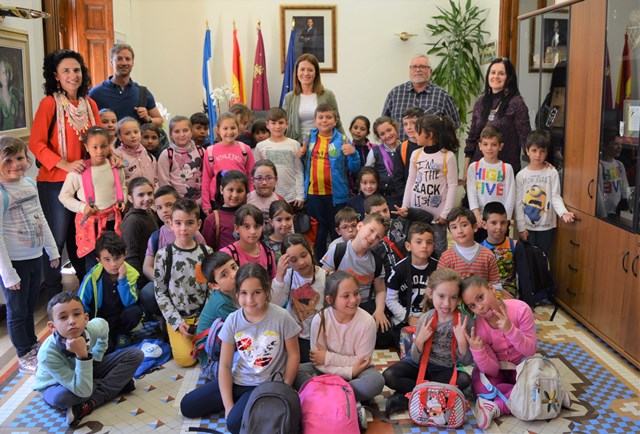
(419, 67)
(264, 178)
(346, 227)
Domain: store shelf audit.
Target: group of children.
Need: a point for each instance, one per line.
(288, 306)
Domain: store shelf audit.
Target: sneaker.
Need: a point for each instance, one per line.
(123, 341)
(396, 403)
(28, 364)
(77, 412)
(362, 417)
(486, 411)
(129, 387)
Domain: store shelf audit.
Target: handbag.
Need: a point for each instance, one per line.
(306, 225)
(437, 404)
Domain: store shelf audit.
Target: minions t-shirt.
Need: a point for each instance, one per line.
(538, 199)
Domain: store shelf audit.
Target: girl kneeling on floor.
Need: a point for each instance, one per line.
(266, 337)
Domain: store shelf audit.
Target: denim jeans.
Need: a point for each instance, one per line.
(61, 222)
(21, 304)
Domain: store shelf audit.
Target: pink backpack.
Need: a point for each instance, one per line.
(328, 401)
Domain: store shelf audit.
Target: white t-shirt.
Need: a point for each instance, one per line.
(307, 113)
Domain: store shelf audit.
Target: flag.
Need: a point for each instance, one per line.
(237, 80)
(624, 78)
(260, 90)
(608, 93)
(211, 104)
(287, 82)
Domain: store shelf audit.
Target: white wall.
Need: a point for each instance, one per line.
(168, 35)
(36, 46)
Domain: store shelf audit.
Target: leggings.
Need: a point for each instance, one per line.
(402, 376)
(504, 381)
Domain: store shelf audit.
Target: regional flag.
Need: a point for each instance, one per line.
(260, 90)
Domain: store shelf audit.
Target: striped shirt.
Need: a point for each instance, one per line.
(483, 264)
(320, 175)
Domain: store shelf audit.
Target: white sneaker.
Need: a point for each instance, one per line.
(485, 412)
(362, 417)
(28, 364)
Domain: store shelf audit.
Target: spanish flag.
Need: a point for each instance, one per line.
(624, 78)
(237, 80)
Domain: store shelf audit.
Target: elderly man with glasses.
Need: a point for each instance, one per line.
(419, 92)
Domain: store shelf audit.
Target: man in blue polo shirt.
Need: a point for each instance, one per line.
(121, 94)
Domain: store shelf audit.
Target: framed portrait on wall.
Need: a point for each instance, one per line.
(549, 40)
(315, 33)
(15, 83)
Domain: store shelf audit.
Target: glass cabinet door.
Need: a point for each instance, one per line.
(618, 173)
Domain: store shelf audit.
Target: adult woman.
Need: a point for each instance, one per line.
(308, 92)
(11, 100)
(63, 116)
(501, 106)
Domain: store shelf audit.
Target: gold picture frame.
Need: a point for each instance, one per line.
(319, 38)
(15, 104)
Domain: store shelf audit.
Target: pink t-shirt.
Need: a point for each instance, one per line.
(225, 157)
(245, 258)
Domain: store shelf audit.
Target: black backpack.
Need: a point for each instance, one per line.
(535, 282)
(273, 408)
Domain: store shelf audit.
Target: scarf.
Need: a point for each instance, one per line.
(80, 118)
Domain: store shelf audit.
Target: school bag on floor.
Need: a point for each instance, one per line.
(212, 347)
(273, 408)
(538, 393)
(437, 404)
(535, 282)
(156, 353)
(328, 405)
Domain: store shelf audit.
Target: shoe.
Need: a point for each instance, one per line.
(77, 412)
(396, 403)
(28, 364)
(362, 417)
(486, 411)
(123, 341)
(129, 387)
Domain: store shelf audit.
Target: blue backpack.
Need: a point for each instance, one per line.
(212, 347)
(156, 353)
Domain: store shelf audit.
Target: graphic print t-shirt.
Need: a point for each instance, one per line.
(261, 345)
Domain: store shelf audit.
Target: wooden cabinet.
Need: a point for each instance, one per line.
(573, 262)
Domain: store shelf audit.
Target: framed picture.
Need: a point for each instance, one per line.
(488, 52)
(631, 118)
(315, 33)
(15, 83)
(549, 40)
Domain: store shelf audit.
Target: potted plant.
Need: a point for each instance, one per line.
(460, 35)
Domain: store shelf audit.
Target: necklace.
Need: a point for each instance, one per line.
(492, 113)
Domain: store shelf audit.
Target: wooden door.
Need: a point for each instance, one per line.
(584, 103)
(629, 318)
(85, 26)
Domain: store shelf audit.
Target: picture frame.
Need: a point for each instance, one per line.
(15, 104)
(315, 27)
(488, 52)
(631, 118)
(550, 47)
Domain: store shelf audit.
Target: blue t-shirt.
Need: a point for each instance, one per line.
(122, 101)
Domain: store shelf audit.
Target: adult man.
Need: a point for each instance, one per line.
(419, 92)
(309, 40)
(121, 94)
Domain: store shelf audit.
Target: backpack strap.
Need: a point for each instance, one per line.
(87, 184)
(142, 96)
(444, 164)
(170, 157)
(409, 283)
(393, 247)
(403, 151)
(338, 254)
(168, 265)
(269, 253)
(415, 162)
(5, 198)
(203, 248)
(234, 253)
(492, 391)
(426, 350)
(216, 218)
(155, 240)
(386, 159)
(52, 124)
(201, 153)
(209, 152)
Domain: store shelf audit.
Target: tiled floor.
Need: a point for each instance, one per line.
(605, 390)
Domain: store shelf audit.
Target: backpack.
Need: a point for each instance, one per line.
(270, 264)
(273, 407)
(217, 197)
(5, 195)
(87, 185)
(437, 404)
(538, 393)
(328, 404)
(156, 353)
(535, 282)
(170, 157)
(212, 347)
(169, 263)
(341, 249)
